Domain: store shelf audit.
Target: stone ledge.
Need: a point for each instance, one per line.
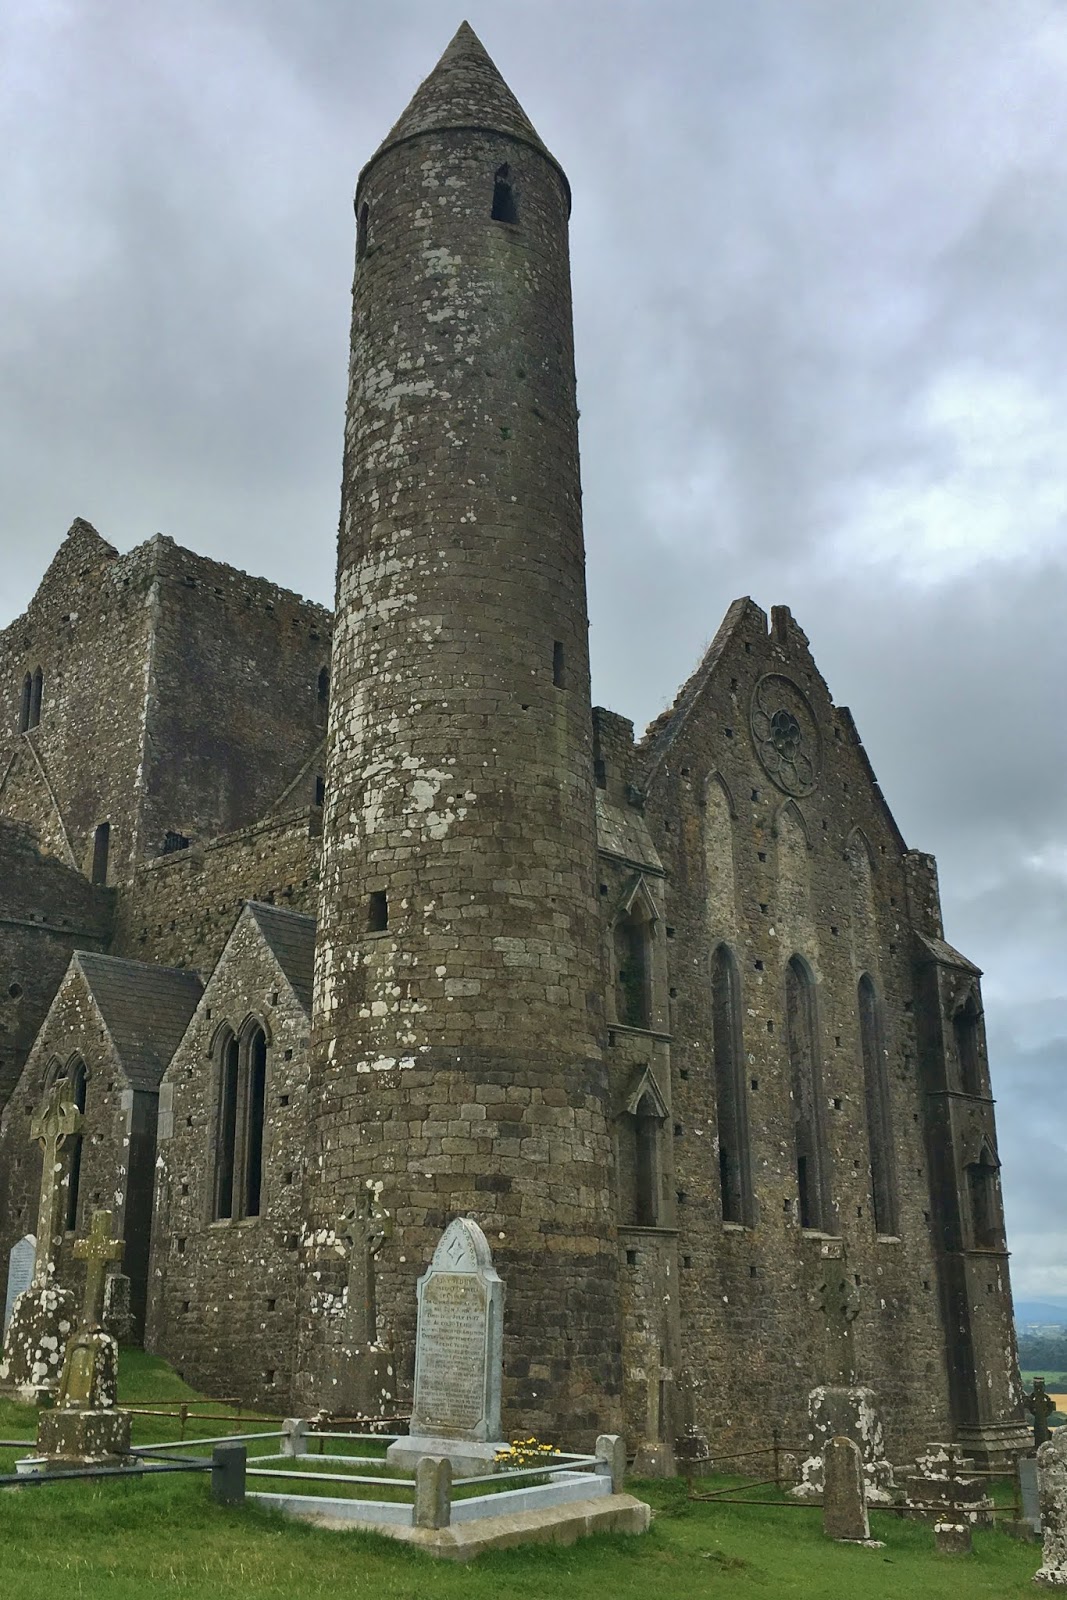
(615, 1513)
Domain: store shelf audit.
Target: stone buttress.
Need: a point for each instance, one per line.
(457, 1014)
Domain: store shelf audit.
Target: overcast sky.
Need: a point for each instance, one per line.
(820, 304)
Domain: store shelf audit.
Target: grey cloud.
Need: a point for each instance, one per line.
(807, 240)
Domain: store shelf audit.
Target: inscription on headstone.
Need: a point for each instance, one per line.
(19, 1272)
(458, 1358)
(458, 1347)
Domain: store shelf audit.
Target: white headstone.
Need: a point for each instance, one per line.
(459, 1340)
(19, 1272)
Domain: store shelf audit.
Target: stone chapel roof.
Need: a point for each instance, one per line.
(464, 90)
(291, 938)
(145, 1010)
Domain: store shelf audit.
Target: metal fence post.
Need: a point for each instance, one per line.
(228, 1462)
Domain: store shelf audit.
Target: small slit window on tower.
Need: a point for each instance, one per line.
(378, 911)
(36, 693)
(320, 790)
(362, 223)
(323, 690)
(101, 846)
(559, 665)
(504, 207)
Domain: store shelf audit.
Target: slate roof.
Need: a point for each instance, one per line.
(291, 937)
(939, 950)
(145, 1010)
(625, 834)
(464, 90)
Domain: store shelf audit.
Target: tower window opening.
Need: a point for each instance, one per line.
(505, 208)
(633, 975)
(965, 1032)
(24, 704)
(101, 846)
(378, 911)
(600, 773)
(559, 665)
(36, 694)
(320, 789)
(323, 689)
(983, 1189)
(362, 223)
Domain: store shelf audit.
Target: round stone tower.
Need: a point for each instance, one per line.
(457, 1018)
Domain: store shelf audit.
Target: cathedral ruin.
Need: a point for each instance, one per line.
(338, 927)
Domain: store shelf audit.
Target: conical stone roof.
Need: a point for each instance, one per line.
(464, 90)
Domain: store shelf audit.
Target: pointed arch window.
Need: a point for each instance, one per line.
(876, 1094)
(633, 979)
(965, 1029)
(983, 1188)
(735, 1180)
(809, 1137)
(239, 1123)
(78, 1078)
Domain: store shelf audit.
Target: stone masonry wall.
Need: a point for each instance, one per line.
(224, 1293)
(180, 909)
(112, 1114)
(46, 911)
(779, 859)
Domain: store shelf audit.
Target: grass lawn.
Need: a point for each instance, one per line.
(133, 1539)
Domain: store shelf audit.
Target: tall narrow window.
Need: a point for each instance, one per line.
(78, 1082)
(323, 690)
(101, 846)
(965, 1032)
(983, 1189)
(378, 911)
(808, 1133)
(505, 208)
(24, 703)
(646, 1164)
(36, 694)
(559, 665)
(362, 224)
(633, 985)
(876, 1092)
(735, 1186)
(226, 1128)
(256, 1095)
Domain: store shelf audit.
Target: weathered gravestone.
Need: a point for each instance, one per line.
(944, 1491)
(458, 1357)
(836, 1410)
(1052, 1477)
(1040, 1405)
(20, 1263)
(844, 1503)
(43, 1314)
(87, 1424)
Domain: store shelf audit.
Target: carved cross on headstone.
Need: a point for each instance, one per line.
(57, 1120)
(98, 1251)
(366, 1226)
